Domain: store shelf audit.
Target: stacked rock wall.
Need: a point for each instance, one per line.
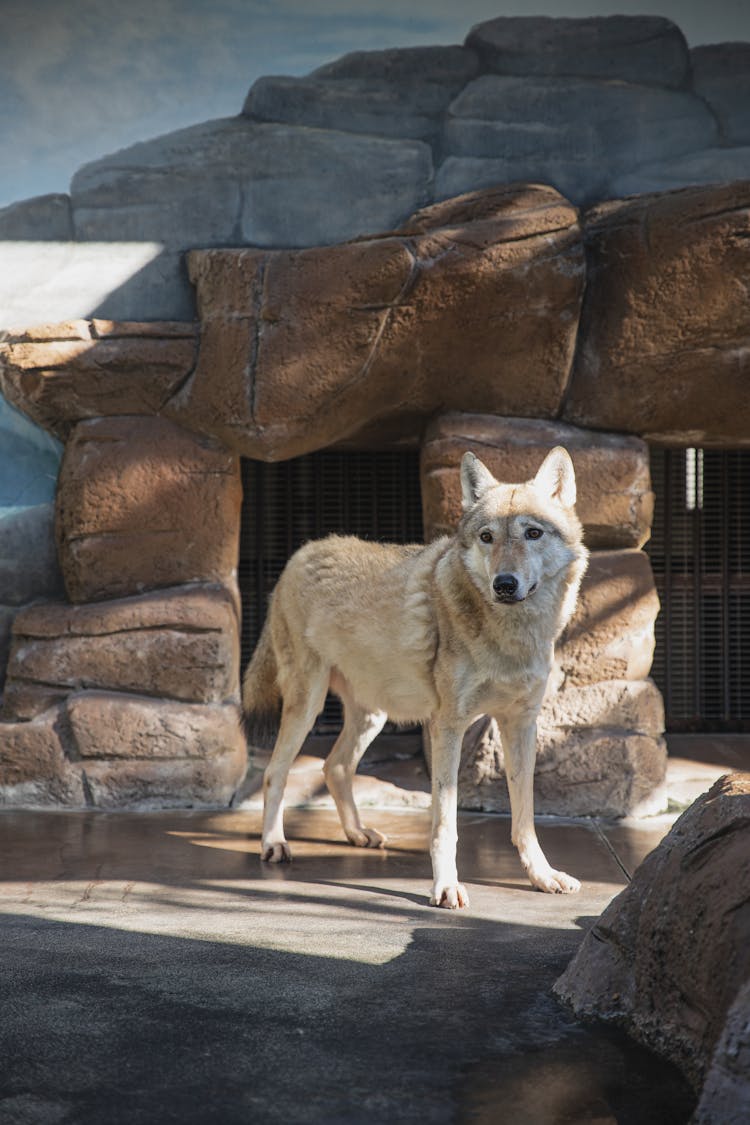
(127, 694)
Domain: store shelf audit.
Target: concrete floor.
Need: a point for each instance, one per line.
(152, 970)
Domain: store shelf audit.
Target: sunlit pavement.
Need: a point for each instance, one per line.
(154, 970)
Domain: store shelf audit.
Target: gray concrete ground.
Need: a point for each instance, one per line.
(153, 970)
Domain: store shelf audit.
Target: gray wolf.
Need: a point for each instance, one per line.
(437, 634)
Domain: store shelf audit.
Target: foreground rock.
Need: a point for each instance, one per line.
(615, 501)
(472, 303)
(725, 1096)
(663, 310)
(668, 957)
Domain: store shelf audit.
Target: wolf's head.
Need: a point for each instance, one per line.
(521, 540)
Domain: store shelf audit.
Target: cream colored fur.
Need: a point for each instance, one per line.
(419, 633)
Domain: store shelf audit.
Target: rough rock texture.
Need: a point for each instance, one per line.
(472, 303)
(710, 166)
(44, 218)
(60, 374)
(626, 48)
(611, 634)
(615, 501)
(402, 67)
(665, 328)
(113, 751)
(181, 643)
(575, 133)
(668, 956)
(721, 75)
(34, 770)
(148, 753)
(725, 1096)
(352, 105)
(143, 504)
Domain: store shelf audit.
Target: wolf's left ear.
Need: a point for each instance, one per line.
(476, 478)
(556, 478)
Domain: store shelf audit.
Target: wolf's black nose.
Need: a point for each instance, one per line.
(505, 585)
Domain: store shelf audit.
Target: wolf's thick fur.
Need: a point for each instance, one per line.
(439, 634)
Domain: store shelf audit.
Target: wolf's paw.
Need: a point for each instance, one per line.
(451, 897)
(278, 852)
(554, 882)
(366, 838)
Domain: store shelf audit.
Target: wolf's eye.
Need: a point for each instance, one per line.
(534, 533)
(485, 536)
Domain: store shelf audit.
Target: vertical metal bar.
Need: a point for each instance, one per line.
(667, 500)
(698, 660)
(726, 639)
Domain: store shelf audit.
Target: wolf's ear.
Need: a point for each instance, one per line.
(556, 478)
(475, 479)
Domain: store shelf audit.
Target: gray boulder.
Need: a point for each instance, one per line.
(44, 218)
(721, 75)
(578, 181)
(572, 132)
(644, 49)
(352, 105)
(710, 166)
(450, 67)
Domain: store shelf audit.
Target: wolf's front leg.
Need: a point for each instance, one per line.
(446, 755)
(519, 748)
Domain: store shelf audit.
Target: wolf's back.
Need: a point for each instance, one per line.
(261, 696)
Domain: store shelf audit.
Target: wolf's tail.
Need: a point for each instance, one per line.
(261, 695)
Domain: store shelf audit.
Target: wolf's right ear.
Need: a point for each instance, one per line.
(475, 479)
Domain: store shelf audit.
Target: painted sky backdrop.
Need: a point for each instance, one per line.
(83, 78)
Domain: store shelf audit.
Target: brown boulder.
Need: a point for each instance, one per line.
(34, 769)
(611, 634)
(181, 643)
(668, 956)
(150, 753)
(473, 303)
(615, 501)
(60, 374)
(665, 330)
(144, 504)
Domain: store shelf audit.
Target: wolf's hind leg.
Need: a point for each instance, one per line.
(360, 728)
(297, 717)
(519, 748)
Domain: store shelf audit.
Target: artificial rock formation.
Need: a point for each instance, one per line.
(665, 330)
(670, 956)
(472, 302)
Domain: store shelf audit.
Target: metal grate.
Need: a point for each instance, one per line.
(700, 554)
(373, 495)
